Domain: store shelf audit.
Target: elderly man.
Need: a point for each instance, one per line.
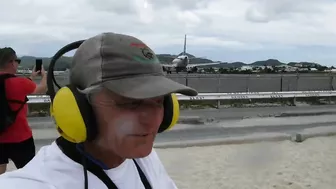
(125, 85)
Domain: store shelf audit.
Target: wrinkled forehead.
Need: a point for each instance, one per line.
(108, 94)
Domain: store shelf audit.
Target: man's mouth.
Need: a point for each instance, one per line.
(142, 135)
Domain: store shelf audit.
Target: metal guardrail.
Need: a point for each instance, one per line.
(229, 83)
(224, 96)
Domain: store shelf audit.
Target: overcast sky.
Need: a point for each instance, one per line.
(224, 30)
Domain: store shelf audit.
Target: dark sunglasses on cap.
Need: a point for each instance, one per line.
(16, 60)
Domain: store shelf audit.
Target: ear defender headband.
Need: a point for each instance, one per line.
(73, 115)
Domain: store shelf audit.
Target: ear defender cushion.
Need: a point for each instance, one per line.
(171, 112)
(73, 115)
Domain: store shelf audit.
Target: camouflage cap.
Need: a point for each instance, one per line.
(123, 64)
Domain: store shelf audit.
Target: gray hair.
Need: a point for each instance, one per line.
(90, 91)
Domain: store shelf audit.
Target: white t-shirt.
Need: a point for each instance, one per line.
(51, 169)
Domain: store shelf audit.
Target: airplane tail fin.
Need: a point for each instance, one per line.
(185, 44)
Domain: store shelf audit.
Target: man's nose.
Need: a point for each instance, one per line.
(149, 113)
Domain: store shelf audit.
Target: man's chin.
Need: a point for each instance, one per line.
(143, 151)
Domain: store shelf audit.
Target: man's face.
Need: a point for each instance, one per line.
(127, 127)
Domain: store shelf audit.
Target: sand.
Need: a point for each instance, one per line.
(265, 165)
(281, 165)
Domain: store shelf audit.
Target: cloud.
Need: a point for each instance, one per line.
(216, 27)
(270, 10)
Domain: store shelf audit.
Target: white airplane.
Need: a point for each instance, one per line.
(181, 63)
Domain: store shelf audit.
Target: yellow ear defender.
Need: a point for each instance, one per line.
(73, 115)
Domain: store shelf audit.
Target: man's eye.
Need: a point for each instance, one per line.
(159, 101)
(130, 105)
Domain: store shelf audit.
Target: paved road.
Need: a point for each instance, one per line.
(227, 113)
(224, 129)
(227, 123)
(249, 126)
(245, 82)
(240, 113)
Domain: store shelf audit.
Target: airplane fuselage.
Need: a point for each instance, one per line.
(181, 61)
(180, 64)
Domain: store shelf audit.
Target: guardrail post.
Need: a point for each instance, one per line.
(218, 89)
(331, 86)
(281, 81)
(297, 81)
(186, 80)
(294, 101)
(248, 83)
(297, 87)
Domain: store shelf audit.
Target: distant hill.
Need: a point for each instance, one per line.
(305, 64)
(64, 62)
(269, 62)
(167, 58)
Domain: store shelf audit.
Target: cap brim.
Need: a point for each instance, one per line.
(147, 87)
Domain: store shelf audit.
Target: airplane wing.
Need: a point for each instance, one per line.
(169, 65)
(202, 64)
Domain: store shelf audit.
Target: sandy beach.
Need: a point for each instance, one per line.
(265, 165)
(281, 165)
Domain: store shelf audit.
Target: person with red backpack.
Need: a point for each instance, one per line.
(16, 138)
